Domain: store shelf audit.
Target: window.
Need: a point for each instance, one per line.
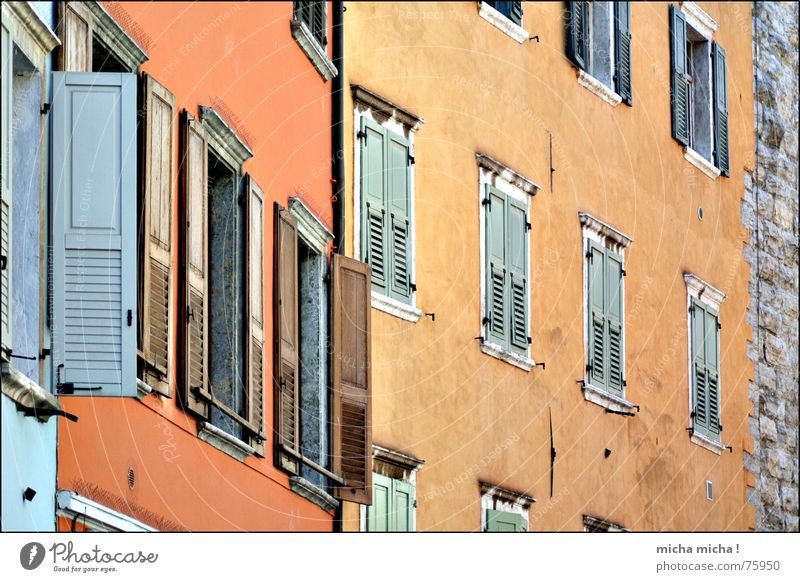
(596, 525)
(385, 201)
(310, 30)
(394, 500)
(511, 10)
(506, 16)
(604, 310)
(704, 369)
(505, 261)
(599, 43)
(503, 510)
(699, 90)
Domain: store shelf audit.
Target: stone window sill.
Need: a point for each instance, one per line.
(226, 443)
(499, 352)
(705, 442)
(605, 399)
(702, 164)
(394, 307)
(495, 17)
(595, 86)
(313, 493)
(315, 53)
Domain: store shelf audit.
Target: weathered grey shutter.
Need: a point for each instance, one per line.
(720, 109)
(378, 514)
(700, 379)
(76, 29)
(319, 22)
(255, 288)
(595, 260)
(496, 277)
(5, 198)
(517, 267)
(615, 360)
(287, 347)
(403, 509)
(679, 79)
(159, 167)
(398, 207)
(712, 371)
(194, 261)
(504, 521)
(94, 233)
(578, 33)
(351, 434)
(622, 48)
(373, 193)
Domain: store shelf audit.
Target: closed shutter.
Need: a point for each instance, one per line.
(378, 514)
(351, 433)
(679, 79)
(159, 165)
(287, 347)
(255, 288)
(403, 510)
(398, 207)
(76, 28)
(711, 355)
(720, 109)
(94, 233)
(700, 379)
(622, 47)
(496, 277)
(194, 262)
(373, 192)
(578, 33)
(504, 521)
(517, 266)
(319, 22)
(598, 374)
(5, 198)
(615, 325)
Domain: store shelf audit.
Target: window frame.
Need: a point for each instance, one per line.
(496, 498)
(504, 23)
(396, 466)
(316, 51)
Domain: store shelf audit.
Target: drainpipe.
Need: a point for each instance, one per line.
(337, 128)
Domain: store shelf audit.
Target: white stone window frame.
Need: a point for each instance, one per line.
(608, 237)
(605, 91)
(493, 16)
(96, 516)
(386, 114)
(316, 53)
(516, 186)
(410, 467)
(502, 499)
(598, 523)
(709, 296)
(115, 39)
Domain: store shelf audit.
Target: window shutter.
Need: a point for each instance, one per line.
(699, 382)
(504, 521)
(5, 199)
(720, 109)
(403, 510)
(373, 194)
(577, 33)
(496, 276)
(193, 308)
(596, 315)
(351, 433)
(622, 47)
(378, 516)
(517, 264)
(399, 213)
(679, 85)
(516, 12)
(156, 264)
(615, 325)
(319, 22)
(255, 288)
(287, 347)
(76, 28)
(94, 233)
(712, 371)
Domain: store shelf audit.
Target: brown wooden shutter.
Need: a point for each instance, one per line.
(351, 379)
(287, 347)
(156, 267)
(193, 375)
(75, 22)
(255, 310)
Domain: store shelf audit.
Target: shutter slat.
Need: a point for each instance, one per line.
(679, 84)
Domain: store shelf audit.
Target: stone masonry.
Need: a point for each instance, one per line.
(770, 213)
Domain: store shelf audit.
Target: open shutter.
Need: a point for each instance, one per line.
(517, 265)
(351, 433)
(94, 233)
(194, 263)
(504, 521)
(496, 276)
(287, 347)
(679, 79)
(398, 203)
(712, 371)
(699, 380)
(159, 165)
(6, 54)
(255, 291)
(76, 25)
(378, 516)
(614, 324)
(577, 33)
(622, 47)
(720, 109)
(595, 261)
(403, 509)
(373, 193)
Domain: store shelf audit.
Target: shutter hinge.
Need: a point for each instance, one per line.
(589, 255)
(588, 367)
(487, 319)
(624, 383)
(624, 273)
(527, 225)
(189, 313)
(70, 388)
(361, 133)
(130, 317)
(480, 337)
(3, 262)
(719, 426)
(719, 325)
(530, 341)
(45, 109)
(691, 309)
(411, 160)
(413, 287)
(486, 201)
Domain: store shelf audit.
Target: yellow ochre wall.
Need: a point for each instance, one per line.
(472, 417)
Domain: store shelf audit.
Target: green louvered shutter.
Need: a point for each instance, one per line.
(712, 371)
(622, 48)
(496, 276)
(679, 79)
(720, 109)
(403, 510)
(504, 521)
(614, 324)
(378, 514)
(578, 33)
(517, 265)
(399, 211)
(699, 376)
(596, 316)
(374, 231)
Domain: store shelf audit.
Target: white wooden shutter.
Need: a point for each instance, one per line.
(5, 197)
(94, 233)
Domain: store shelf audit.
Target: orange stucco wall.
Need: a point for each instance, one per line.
(472, 417)
(243, 55)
